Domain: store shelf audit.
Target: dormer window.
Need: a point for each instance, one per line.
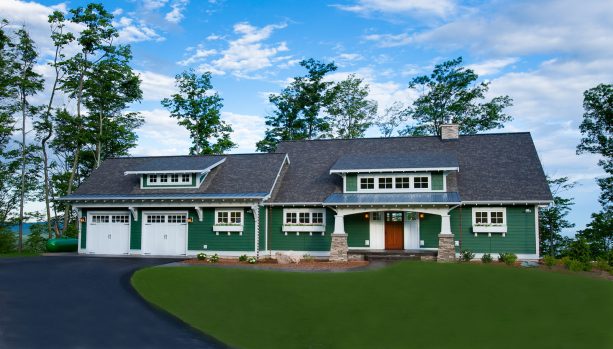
(421, 182)
(185, 178)
(163, 178)
(395, 182)
(386, 182)
(170, 180)
(174, 178)
(367, 183)
(153, 178)
(403, 182)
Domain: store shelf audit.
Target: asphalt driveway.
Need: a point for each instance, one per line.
(84, 302)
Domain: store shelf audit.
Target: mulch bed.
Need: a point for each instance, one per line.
(311, 265)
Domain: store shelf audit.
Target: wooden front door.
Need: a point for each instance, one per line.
(394, 230)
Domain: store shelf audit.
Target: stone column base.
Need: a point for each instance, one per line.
(338, 248)
(446, 248)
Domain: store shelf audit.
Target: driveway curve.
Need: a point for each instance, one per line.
(84, 302)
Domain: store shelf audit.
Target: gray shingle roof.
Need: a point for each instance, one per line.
(493, 167)
(408, 160)
(392, 198)
(176, 163)
(238, 174)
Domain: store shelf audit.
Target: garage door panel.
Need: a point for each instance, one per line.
(109, 233)
(165, 234)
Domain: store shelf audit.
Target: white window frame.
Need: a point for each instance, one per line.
(189, 178)
(157, 183)
(393, 189)
(489, 227)
(304, 227)
(229, 227)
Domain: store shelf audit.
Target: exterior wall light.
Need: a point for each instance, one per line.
(190, 220)
(83, 219)
(421, 216)
(366, 215)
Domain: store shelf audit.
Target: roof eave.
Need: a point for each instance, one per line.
(387, 170)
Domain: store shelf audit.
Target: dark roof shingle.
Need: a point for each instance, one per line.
(408, 160)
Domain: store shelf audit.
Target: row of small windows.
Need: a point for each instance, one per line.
(112, 219)
(172, 178)
(304, 217)
(178, 218)
(418, 182)
(487, 217)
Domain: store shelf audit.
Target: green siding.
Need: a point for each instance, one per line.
(136, 229)
(84, 230)
(262, 236)
(169, 185)
(201, 233)
(358, 230)
(277, 239)
(437, 181)
(351, 182)
(520, 237)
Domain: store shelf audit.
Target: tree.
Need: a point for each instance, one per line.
(552, 219)
(599, 234)
(298, 107)
(451, 95)
(198, 110)
(28, 83)
(350, 112)
(392, 118)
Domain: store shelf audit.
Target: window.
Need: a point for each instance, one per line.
(174, 178)
(304, 217)
(308, 216)
(185, 178)
(496, 218)
(385, 182)
(121, 219)
(317, 217)
(177, 218)
(377, 216)
(229, 217)
(421, 183)
(291, 217)
(163, 178)
(100, 219)
(367, 183)
(489, 216)
(403, 182)
(153, 178)
(156, 219)
(480, 217)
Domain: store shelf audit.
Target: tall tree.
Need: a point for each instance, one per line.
(298, 108)
(393, 116)
(552, 219)
(198, 109)
(28, 83)
(350, 112)
(451, 95)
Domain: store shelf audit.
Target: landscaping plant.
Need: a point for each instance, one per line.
(243, 258)
(486, 258)
(214, 258)
(466, 256)
(201, 256)
(549, 261)
(507, 258)
(252, 260)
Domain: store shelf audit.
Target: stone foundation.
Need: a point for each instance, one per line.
(446, 248)
(338, 248)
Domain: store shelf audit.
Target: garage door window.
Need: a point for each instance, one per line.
(181, 218)
(156, 219)
(121, 219)
(100, 219)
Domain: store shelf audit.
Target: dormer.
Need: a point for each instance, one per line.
(395, 173)
(181, 173)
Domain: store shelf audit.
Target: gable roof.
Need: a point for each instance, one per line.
(240, 175)
(408, 161)
(493, 167)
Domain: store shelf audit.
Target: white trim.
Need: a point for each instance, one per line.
(199, 213)
(393, 170)
(304, 204)
(163, 213)
(177, 171)
(412, 189)
(134, 212)
(489, 210)
(274, 184)
(536, 230)
(162, 203)
(227, 228)
(88, 220)
(310, 227)
(304, 228)
(229, 210)
(505, 202)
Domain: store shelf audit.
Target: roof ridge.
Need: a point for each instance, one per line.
(188, 156)
(400, 137)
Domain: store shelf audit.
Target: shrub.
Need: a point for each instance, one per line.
(549, 261)
(507, 258)
(8, 242)
(35, 241)
(610, 258)
(214, 258)
(466, 256)
(486, 258)
(575, 265)
(243, 258)
(579, 250)
(201, 256)
(603, 264)
(71, 232)
(252, 260)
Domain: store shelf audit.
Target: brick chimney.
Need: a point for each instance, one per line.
(450, 131)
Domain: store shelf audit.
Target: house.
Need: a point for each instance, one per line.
(328, 198)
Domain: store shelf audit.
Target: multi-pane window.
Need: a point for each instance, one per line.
(120, 219)
(153, 178)
(174, 178)
(156, 219)
(377, 216)
(385, 182)
(185, 178)
(230, 217)
(481, 217)
(489, 216)
(420, 182)
(163, 178)
(403, 182)
(367, 183)
(177, 218)
(100, 219)
(304, 216)
(496, 218)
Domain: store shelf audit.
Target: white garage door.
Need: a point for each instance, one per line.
(108, 233)
(165, 233)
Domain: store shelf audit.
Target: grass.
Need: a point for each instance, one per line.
(406, 305)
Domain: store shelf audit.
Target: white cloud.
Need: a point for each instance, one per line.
(176, 14)
(247, 130)
(436, 7)
(156, 86)
(161, 135)
(492, 66)
(154, 4)
(135, 31)
(390, 40)
(199, 55)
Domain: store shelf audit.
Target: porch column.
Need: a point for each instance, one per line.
(338, 247)
(446, 243)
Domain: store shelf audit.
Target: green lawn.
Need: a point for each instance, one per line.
(406, 305)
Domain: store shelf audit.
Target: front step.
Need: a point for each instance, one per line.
(392, 257)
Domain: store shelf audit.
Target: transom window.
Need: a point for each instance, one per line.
(486, 216)
(386, 182)
(229, 217)
(367, 183)
(174, 178)
(309, 216)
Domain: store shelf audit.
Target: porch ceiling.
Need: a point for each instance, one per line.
(393, 199)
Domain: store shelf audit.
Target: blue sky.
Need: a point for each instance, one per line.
(543, 54)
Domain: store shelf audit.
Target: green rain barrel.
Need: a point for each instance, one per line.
(62, 245)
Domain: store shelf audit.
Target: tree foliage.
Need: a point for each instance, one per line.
(393, 116)
(350, 112)
(198, 109)
(552, 219)
(451, 94)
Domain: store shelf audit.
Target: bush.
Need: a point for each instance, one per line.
(8, 242)
(201, 256)
(603, 264)
(549, 261)
(565, 261)
(507, 258)
(610, 258)
(574, 265)
(486, 258)
(252, 260)
(466, 256)
(36, 242)
(214, 258)
(579, 250)
(243, 258)
(71, 232)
